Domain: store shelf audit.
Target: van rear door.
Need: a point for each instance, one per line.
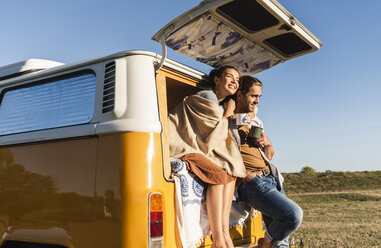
(252, 35)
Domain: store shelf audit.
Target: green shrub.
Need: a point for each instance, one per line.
(307, 169)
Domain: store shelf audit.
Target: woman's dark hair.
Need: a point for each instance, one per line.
(218, 72)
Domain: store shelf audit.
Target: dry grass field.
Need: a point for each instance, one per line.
(349, 218)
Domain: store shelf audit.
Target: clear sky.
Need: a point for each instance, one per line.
(320, 110)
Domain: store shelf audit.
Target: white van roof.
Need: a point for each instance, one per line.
(25, 67)
(251, 35)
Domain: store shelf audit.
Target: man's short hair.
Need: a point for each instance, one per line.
(245, 83)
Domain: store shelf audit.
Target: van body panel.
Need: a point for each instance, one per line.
(96, 191)
(136, 107)
(49, 187)
(142, 174)
(49, 134)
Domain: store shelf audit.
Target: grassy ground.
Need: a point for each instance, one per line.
(338, 214)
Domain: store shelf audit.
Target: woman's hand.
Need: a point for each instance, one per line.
(229, 107)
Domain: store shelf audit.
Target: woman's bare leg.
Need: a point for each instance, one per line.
(214, 206)
(226, 206)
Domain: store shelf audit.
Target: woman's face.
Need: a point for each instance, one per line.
(227, 83)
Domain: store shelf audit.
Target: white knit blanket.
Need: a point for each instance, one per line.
(192, 217)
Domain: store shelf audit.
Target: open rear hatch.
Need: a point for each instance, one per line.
(252, 35)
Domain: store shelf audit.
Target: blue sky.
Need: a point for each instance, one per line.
(320, 110)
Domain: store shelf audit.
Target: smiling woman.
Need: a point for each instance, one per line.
(199, 136)
(225, 81)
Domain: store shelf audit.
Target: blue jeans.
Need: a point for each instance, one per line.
(281, 215)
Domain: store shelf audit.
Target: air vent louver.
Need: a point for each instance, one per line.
(109, 88)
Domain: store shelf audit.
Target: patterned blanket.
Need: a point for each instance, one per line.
(192, 217)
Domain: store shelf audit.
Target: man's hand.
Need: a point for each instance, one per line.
(264, 141)
(261, 141)
(250, 175)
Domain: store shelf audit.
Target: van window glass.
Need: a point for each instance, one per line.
(52, 103)
(249, 14)
(288, 44)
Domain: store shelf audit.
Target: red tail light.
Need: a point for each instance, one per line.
(155, 220)
(156, 224)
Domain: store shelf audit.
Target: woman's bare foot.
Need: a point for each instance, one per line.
(265, 243)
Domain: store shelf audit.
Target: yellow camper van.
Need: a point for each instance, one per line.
(84, 159)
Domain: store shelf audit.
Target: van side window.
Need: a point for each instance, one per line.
(56, 102)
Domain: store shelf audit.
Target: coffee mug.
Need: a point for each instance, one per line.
(242, 119)
(255, 132)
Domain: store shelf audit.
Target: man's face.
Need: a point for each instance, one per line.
(247, 102)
